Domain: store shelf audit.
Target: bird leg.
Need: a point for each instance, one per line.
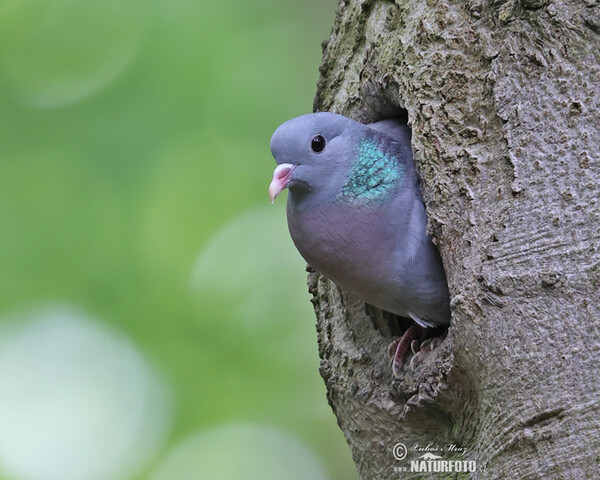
(399, 347)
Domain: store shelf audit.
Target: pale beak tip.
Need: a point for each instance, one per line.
(273, 193)
(280, 180)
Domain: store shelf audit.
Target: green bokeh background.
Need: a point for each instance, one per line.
(134, 165)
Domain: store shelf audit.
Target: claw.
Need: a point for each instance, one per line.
(396, 366)
(414, 346)
(417, 357)
(411, 364)
(392, 348)
(425, 346)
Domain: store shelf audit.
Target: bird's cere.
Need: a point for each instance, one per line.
(281, 178)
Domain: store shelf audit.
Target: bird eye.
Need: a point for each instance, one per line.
(317, 144)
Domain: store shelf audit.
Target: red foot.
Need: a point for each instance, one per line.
(402, 346)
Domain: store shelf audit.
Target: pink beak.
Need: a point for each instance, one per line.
(281, 178)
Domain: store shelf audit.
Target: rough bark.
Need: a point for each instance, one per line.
(503, 100)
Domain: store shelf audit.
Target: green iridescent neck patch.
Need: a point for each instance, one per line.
(373, 175)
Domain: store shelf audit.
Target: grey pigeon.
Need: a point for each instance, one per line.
(356, 215)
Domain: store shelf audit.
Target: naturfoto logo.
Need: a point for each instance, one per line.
(429, 462)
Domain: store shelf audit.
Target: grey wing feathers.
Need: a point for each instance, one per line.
(395, 128)
(420, 321)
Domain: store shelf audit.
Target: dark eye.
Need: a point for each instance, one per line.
(317, 144)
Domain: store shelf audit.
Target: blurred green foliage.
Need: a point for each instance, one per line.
(134, 165)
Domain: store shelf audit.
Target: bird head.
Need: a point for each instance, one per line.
(313, 154)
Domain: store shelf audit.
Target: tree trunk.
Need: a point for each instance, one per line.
(503, 100)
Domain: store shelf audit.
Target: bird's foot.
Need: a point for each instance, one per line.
(399, 347)
(411, 340)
